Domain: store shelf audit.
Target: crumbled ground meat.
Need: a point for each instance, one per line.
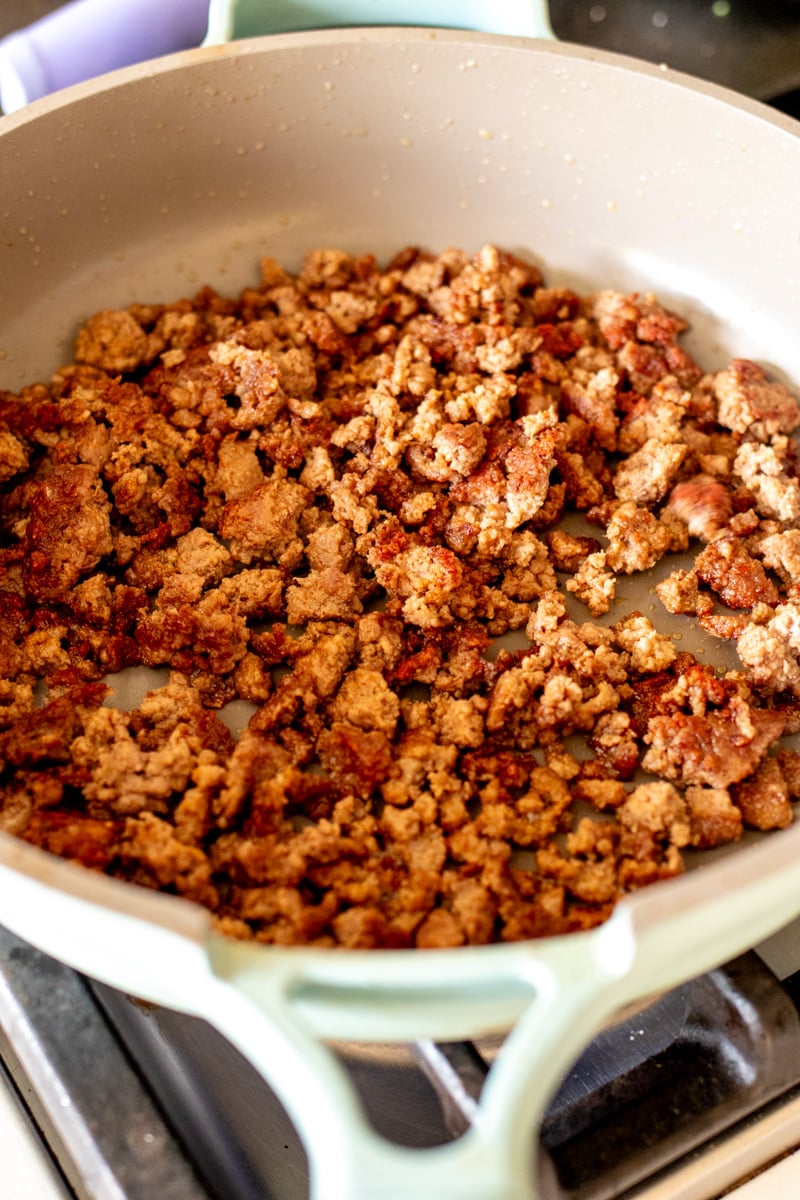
(768, 472)
(749, 402)
(327, 498)
(735, 576)
(770, 650)
(763, 799)
(680, 593)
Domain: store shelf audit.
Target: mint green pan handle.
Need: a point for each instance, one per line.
(279, 1007)
(230, 20)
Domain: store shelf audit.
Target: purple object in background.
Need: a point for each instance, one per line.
(88, 38)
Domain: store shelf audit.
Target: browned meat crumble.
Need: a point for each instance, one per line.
(327, 498)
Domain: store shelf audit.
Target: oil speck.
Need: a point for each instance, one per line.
(611, 205)
(486, 134)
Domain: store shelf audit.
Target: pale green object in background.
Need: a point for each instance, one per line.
(230, 20)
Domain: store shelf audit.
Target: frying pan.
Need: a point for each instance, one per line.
(147, 183)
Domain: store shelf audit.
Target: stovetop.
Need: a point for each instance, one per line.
(135, 1101)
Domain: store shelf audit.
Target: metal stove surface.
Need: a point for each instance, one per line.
(680, 1100)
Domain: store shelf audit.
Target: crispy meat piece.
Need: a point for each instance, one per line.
(767, 473)
(714, 818)
(680, 593)
(68, 531)
(649, 650)
(14, 456)
(263, 523)
(324, 595)
(748, 402)
(735, 576)
(645, 476)
(717, 749)
(769, 650)
(112, 340)
(87, 840)
(637, 540)
(593, 583)
(657, 809)
(568, 552)
(763, 799)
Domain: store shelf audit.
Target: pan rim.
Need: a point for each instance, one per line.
(393, 35)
